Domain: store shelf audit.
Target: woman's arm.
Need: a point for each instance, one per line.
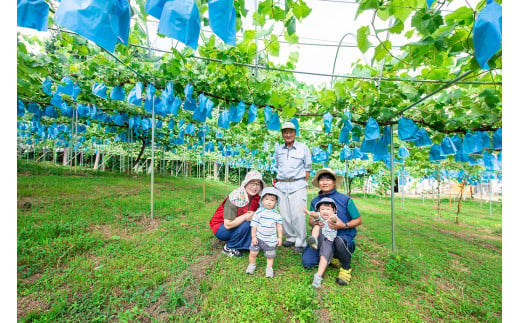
(230, 224)
(231, 220)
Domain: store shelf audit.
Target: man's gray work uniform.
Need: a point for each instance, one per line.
(291, 165)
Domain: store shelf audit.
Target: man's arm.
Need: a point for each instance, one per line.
(354, 213)
(308, 162)
(354, 222)
(341, 225)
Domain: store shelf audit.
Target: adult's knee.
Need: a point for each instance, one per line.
(307, 263)
(342, 245)
(343, 249)
(244, 227)
(309, 259)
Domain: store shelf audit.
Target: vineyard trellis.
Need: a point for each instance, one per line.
(448, 96)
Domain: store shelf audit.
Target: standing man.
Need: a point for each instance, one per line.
(293, 163)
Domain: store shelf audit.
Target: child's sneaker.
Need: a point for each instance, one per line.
(231, 252)
(269, 272)
(316, 282)
(250, 269)
(312, 242)
(334, 263)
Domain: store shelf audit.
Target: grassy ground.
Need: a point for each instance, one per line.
(88, 251)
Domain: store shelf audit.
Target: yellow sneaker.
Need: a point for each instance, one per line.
(334, 263)
(344, 276)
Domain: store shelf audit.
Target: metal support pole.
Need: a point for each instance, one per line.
(438, 191)
(152, 164)
(422, 191)
(392, 184)
(480, 191)
(203, 169)
(455, 80)
(76, 140)
(226, 170)
(490, 194)
(364, 184)
(54, 154)
(402, 186)
(255, 71)
(346, 177)
(71, 142)
(337, 51)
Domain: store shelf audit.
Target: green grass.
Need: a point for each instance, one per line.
(88, 251)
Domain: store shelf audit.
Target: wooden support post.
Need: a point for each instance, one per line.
(226, 171)
(65, 156)
(97, 161)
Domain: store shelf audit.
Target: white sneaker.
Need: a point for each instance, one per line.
(250, 269)
(269, 272)
(316, 282)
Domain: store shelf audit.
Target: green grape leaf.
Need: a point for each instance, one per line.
(362, 38)
(301, 10)
(291, 26)
(382, 50)
(272, 46)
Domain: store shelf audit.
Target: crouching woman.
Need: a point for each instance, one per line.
(232, 219)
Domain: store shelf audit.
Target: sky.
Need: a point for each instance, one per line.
(329, 22)
(320, 33)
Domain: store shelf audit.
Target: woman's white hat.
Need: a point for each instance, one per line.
(252, 175)
(239, 196)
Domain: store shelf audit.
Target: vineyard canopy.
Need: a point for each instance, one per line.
(227, 101)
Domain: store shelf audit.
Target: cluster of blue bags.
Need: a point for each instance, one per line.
(107, 22)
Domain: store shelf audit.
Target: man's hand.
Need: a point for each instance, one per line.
(337, 225)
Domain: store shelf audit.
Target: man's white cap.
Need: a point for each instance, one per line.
(288, 125)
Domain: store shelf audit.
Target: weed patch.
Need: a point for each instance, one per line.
(400, 269)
